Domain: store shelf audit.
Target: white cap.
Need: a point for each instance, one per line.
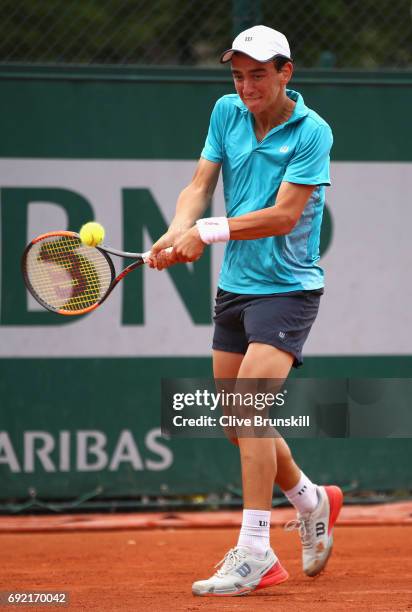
(260, 43)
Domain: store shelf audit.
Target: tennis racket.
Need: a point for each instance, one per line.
(69, 278)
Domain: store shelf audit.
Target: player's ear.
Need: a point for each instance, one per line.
(285, 68)
(287, 71)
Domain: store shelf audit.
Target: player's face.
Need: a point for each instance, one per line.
(258, 84)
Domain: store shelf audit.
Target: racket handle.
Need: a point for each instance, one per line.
(147, 254)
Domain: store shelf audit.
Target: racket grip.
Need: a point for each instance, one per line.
(147, 254)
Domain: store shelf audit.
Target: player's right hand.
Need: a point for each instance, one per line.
(159, 257)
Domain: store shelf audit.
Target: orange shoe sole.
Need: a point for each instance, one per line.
(335, 496)
(276, 575)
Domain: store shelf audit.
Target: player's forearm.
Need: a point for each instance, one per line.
(261, 224)
(191, 204)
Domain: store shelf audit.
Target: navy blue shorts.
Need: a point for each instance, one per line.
(282, 320)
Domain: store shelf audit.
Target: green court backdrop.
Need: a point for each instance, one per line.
(80, 400)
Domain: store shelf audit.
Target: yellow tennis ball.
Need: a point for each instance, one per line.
(92, 233)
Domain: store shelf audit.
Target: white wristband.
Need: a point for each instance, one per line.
(213, 229)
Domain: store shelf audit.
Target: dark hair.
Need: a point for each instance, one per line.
(280, 61)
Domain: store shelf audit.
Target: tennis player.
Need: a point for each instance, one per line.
(274, 155)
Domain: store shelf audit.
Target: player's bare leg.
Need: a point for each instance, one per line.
(252, 564)
(226, 366)
(258, 455)
(316, 505)
(288, 473)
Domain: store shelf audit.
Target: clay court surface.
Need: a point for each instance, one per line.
(152, 569)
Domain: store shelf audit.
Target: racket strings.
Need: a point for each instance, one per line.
(67, 275)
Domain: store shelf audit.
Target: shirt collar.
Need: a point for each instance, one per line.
(300, 110)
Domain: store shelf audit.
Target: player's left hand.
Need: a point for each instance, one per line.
(189, 246)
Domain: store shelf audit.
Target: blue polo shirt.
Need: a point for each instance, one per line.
(297, 152)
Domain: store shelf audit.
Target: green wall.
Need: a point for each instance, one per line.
(158, 114)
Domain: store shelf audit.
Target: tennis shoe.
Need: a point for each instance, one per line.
(241, 573)
(316, 529)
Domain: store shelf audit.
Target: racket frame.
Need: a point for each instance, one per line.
(140, 259)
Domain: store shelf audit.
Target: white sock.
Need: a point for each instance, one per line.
(254, 532)
(303, 495)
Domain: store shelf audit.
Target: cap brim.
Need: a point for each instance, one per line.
(228, 54)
